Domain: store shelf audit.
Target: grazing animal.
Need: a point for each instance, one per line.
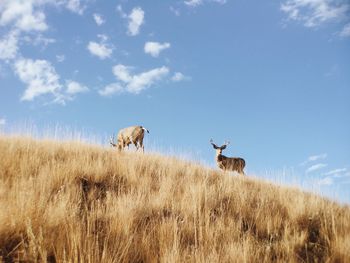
(130, 135)
(228, 163)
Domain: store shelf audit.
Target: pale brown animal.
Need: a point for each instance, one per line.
(130, 135)
(228, 163)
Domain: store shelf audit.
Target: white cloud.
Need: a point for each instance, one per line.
(146, 79)
(136, 19)
(39, 40)
(2, 121)
(74, 87)
(317, 157)
(9, 46)
(101, 50)
(220, 1)
(326, 181)
(114, 88)
(122, 73)
(23, 14)
(154, 48)
(175, 11)
(178, 76)
(75, 6)
(40, 76)
(336, 171)
(195, 3)
(121, 12)
(314, 158)
(313, 13)
(28, 15)
(346, 31)
(99, 19)
(60, 58)
(315, 167)
(133, 83)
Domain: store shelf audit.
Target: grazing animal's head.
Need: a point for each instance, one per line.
(219, 149)
(118, 145)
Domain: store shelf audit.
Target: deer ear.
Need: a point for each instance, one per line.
(223, 147)
(214, 145)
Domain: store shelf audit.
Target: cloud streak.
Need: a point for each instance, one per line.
(315, 167)
(195, 3)
(133, 83)
(314, 158)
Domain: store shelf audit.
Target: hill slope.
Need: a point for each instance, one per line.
(79, 203)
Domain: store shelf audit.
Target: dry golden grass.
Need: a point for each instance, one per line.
(70, 202)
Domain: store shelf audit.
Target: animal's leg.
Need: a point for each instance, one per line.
(136, 145)
(142, 146)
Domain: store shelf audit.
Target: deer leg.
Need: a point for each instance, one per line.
(136, 145)
(142, 147)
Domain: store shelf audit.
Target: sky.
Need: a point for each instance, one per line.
(272, 77)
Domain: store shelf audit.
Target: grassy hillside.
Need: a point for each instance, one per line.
(69, 202)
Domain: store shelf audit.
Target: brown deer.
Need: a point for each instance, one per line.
(130, 135)
(228, 163)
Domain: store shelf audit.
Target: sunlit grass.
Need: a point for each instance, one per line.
(77, 202)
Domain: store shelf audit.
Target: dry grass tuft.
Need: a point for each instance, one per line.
(70, 202)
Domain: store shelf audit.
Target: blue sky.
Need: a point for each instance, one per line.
(270, 76)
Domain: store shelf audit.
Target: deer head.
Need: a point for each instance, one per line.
(111, 142)
(219, 148)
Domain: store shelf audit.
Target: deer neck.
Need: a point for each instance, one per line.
(219, 156)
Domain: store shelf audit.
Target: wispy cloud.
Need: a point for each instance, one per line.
(99, 19)
(338, 173)
(315, 167)
(2, 121)
(195, 3)
(60, 58)
(9, 46)
(136, 19)
(102, 49)
(313, 13)
(75, 6)
(133, 83)
(326, 181)
(345, 31)
(178, 76)
(314, 158)
(154, 48)
(175, 11)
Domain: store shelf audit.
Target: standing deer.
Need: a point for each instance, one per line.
(228, 163)
(130, 135)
